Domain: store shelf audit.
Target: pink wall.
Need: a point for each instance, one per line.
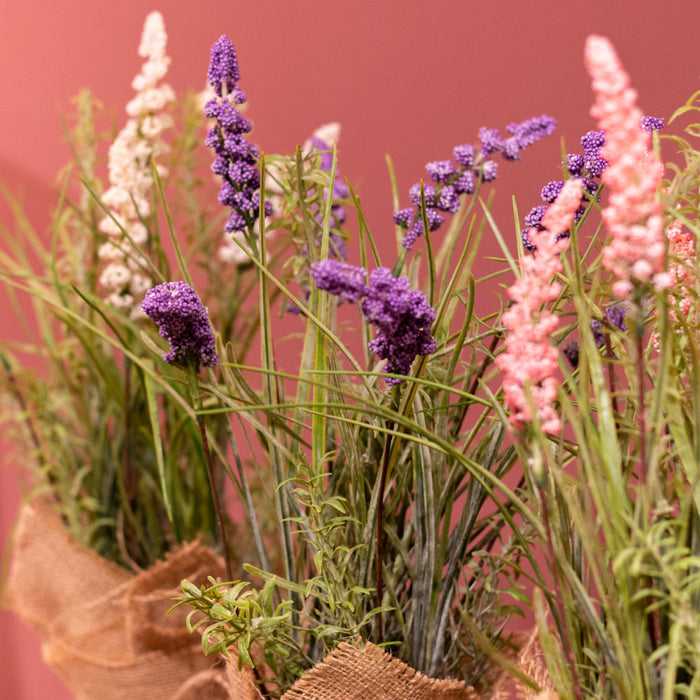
(404, 77)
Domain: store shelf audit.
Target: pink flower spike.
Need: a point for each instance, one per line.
(529, 362)
(635, 254)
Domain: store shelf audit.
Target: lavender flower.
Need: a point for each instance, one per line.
(183, 321)
(223, 73)
(453, 179)
(402, 315)
(236, 159)
(587, 167)
(403, 318)
(652, 123)
(531, 130)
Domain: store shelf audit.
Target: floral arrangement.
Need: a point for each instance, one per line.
(415, 476)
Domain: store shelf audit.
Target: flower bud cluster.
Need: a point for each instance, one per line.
(236, 159)
(587, 167)
(183, 321)
(402, 315)
(461, 177)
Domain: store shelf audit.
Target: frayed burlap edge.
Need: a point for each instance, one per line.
(530, 660)
(104, 630)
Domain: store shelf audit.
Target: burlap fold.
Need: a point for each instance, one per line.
(368, 673)
(105, 630)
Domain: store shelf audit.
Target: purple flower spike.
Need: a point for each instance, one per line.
(403, 318)
(462, 177)
(402, 315)
(183, 321)
(223, 66)
(235, 159)
(531, 130)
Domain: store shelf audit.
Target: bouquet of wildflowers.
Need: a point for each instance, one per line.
(419, 475)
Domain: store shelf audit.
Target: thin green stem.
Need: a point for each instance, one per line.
(197, 405)
(640, 401)
(611, 374)
(380, 531)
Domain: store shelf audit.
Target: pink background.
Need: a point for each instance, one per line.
(404, 77)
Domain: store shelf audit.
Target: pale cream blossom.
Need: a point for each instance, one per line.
(328, 133)
(131, 158)
(230, 252)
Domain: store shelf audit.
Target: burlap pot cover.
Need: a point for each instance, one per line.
(104, 629)
(107, 634)
(365, 672)
(368, 673)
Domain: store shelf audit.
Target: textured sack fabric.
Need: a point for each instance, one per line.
(368, 673)
(104, 629)
(530, 660)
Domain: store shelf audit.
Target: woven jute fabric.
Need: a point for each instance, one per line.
(368, 673)
(106, 630)
(530, 660)
(532, 663)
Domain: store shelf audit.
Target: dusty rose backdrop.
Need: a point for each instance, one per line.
(405, 77)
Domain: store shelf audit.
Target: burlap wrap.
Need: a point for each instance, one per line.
(351, 673)
(106, 632)
(368, 673)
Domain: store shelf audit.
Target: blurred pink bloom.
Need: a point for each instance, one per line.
(633, 215)
(681, 271)
(529, 362)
